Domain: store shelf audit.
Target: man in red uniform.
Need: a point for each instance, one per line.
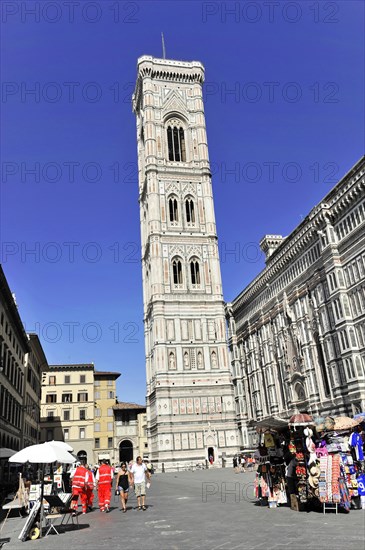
(79, 481)
(104, 480)
(90, 484)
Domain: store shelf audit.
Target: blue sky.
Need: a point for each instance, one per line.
(285, 118)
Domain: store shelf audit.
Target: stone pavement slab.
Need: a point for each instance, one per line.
(210, 509)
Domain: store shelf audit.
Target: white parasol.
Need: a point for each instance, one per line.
(62, 445)
(44, 453)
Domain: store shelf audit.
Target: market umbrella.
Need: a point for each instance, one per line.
(61, 444)
(345, 423)
(6, 453)
(301, 419)
(44, 453)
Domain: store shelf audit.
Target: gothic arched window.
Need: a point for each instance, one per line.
(176, 142)
(195, 272)
(177, 272)
(173, 210)
(190, 211)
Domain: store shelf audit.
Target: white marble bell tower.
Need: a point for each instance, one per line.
(190, 400)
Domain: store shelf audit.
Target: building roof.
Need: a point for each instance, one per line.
(123, 406)
(73, 366)
(107, 374)
(12, 310)
(37, 348)
(308, 225)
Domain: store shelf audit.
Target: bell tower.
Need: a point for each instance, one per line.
(190, 401)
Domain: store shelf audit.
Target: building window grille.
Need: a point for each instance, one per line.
(173, 211)
(177, 273)
(51, 398)
(195, 273)
(190, 211)
(82, 397)
(176, 144)
(67, 398)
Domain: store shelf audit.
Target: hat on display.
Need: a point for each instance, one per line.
(308, 432)
(314, 471)
(313, 482)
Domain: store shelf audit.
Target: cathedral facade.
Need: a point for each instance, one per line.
(191, 412)
(297, 332)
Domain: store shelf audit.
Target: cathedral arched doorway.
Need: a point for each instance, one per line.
(211, 456)
(125, 451)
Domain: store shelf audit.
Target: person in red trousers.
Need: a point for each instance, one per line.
(104, 480)
(90, 485)
(79, 481)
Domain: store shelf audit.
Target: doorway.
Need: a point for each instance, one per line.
(211, 456)
(125, 451)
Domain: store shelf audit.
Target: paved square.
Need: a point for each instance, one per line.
(210, 509)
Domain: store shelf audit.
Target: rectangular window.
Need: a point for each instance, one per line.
(51, 398)
(97, 427)
(110, 442)
(66, 415)
(49, 435)
(66, 434)
(97, 443)
(50, 415)
(110, 426)
(82, 397)
(67, 379)
(110, 395)
(82, 378)
(67, 398)
(110, 412)
(97, 395)
(97, 383)
(82, 414)
(110, 382)
(97, 413)
(82, 433)
(52, 381)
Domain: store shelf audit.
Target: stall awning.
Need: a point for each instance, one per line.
(272, 422)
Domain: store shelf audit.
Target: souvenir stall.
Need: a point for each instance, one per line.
(341, 458)
(270, 476)
(306, 473)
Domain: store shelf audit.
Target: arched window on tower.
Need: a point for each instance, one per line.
(173, 210)
(190, 211)
(195, 273)
(177, 273)
(176, 142)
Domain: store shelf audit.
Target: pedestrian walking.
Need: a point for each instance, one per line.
(90, 485)
(104, 480)
(79, 478)
(123, 480)
(139, 473)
